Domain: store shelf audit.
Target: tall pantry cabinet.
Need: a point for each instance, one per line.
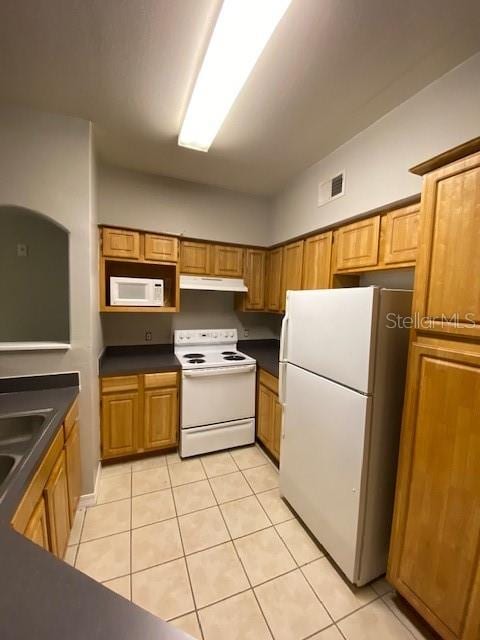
(435, 548)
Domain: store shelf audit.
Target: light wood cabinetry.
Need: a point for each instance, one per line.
(357, 244)
(121, 243)
(74, 468)
(227, 261)
(162, 248)
(401, 235)
(274, 279)
(434, 553)
(292, 269)
(269, 413)
(36, 529)
(254, 275)
(317, 256)
(58, 512)
(195, 258)
(161, 411)
(139, 413)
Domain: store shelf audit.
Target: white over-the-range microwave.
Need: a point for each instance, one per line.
(136, 292)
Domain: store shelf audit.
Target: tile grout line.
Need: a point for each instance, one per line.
(183, 549)
(243, 568)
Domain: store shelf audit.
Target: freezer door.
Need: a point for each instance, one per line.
(322, 461)
(332, 332)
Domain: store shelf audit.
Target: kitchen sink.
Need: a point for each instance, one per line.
(20, 428)
(7, 464)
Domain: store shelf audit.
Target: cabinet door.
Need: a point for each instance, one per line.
(195, 258)
(357, 244)
(316, 261)
(255, 279)
(228, 261)
(447, 285)
(292, 269)
(265, 416)
(120, 423)
(162, 248)
(274, 279)
(58, 513)
(36, 530)
(434, 555)
(277, 428)
(74, 468)
(121, 243)
(401, 237)
(161, 418)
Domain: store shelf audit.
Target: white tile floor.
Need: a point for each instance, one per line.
(209, 545)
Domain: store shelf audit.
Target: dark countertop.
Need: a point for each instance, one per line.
(155, 358)
(41, 596)
(265, 352)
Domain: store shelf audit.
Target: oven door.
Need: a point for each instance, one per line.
(217, 395)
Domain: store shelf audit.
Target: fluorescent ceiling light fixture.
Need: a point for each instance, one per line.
(242, 30)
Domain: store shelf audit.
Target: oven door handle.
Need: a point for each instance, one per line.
(223, 371)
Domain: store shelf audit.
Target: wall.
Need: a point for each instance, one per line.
(444, 114)
(46, 165)
(200, 310)
(132, 199)
(37, 280)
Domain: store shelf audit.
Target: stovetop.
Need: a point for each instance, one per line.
(209, 348)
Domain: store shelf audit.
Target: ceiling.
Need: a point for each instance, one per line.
(331, 68)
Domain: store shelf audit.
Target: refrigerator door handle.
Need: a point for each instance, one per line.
(282, 371)
(283, 339)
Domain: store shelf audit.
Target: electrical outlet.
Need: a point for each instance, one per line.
(245, 333)
(148, 336)
(22, 250)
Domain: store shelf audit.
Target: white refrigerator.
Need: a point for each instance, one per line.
(342, 375)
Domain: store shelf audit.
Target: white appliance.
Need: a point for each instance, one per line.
(218, 391)
(212, 283)
(342, 376)
(136, 292)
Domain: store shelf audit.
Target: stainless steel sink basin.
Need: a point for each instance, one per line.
(6, 467)
(20, 428)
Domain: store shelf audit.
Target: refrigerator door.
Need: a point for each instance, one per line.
(325, 428)
(332, 332)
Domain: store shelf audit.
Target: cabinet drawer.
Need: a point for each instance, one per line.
(71, 418)
(120, 243)
(162, 248)
(268, 380)
(357, 244)
(159, 380)
(119, 383)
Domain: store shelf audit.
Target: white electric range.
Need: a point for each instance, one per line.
(218, 391)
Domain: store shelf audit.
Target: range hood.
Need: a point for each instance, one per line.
(211, 283)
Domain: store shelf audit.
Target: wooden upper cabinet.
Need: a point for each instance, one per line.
(292, 269)
(317, 254)
(227, 261)
(401, 235)
(58, 512)
(447, 284)
(274, 279)
(434, 560)
(254, 274)
(120, 416)
(357, 244)
(161, 248)
(36, 529)
(121, 243)
(195, 258)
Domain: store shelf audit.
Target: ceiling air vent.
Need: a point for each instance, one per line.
(331, 189)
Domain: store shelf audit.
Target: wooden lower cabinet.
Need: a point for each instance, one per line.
(36, 529)
(434, 557)
(269, 413)
(139, 413)
(74, 468)
(58, 511)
